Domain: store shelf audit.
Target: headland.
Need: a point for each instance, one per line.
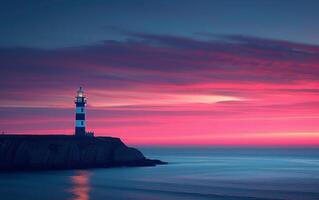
(55, 152)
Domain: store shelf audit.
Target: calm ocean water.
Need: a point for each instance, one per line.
(193, 173)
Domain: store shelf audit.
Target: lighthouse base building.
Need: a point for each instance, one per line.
(80, 103)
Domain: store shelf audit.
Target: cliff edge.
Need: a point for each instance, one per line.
(42, 152)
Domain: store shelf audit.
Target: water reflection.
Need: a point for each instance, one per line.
(80, 185)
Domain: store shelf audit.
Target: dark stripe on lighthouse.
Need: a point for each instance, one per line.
(79, 104)
(80, 131)
(80, 116)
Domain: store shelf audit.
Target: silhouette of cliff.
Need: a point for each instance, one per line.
(42, 152)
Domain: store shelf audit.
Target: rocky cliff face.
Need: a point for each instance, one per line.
(18, 152)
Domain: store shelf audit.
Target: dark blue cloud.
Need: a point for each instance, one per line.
(52, 24)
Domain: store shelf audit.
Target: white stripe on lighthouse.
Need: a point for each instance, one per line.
(80, 123)
(80, 110)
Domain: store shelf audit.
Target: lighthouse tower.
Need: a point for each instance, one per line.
(80, 101)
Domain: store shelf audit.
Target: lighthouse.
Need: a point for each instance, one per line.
(80, 102)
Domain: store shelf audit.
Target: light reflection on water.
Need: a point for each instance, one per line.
(80, 188)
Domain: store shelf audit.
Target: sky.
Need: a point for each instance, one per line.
(163, 72)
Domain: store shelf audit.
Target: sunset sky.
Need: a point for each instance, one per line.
(163, 72)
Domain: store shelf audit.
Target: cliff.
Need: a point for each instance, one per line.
(34, 152)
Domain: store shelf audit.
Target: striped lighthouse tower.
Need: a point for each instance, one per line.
(80, 101)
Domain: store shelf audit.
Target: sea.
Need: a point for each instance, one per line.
(201, 173)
